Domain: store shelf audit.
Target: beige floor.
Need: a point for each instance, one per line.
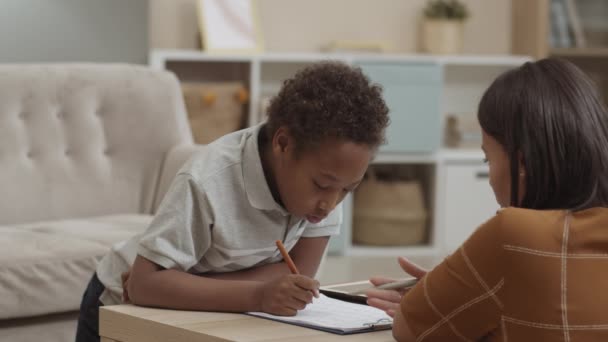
(52, 328)
(340, 269)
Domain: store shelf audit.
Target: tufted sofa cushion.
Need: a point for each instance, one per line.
(45, 266)
(84, 140)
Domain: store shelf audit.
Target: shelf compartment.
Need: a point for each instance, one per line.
(401, 198)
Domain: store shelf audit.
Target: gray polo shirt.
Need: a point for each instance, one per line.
(217, 216)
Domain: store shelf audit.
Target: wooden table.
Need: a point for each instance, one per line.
(128, 323)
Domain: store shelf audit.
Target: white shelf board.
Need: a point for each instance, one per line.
(404, 157)
(445, 155)
(197, 55)
(417, 250)
(300, 57)
(490, 60)
(461, 155)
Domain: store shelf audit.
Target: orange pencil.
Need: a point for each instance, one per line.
(290, 263)
(287, 258)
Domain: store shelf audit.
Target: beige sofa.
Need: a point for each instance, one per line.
(86, 153)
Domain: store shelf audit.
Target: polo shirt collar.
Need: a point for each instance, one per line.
(256, 187)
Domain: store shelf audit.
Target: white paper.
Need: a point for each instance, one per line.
(335, 314)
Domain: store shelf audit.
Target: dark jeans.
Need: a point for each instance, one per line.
(88, 320)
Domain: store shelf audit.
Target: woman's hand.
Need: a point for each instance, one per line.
(389, 300)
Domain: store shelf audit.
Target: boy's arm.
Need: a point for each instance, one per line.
(306, 254)
(233, 291)
(152, 285)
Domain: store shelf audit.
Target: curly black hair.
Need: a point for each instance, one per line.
(329, 100)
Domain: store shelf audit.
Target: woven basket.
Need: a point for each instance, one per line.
(214, 109)
(389, 213)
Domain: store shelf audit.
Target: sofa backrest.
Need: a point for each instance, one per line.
(80, 140)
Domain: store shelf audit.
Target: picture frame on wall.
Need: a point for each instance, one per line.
(229, 26)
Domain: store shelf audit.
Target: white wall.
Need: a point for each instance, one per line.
(74, 30)
(306, 25)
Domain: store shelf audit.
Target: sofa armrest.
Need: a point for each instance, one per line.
(175, 159)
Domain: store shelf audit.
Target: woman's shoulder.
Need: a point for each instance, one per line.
(513, 215)
(529, 227)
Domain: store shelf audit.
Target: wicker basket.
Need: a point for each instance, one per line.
(214, 108)
(389, 213)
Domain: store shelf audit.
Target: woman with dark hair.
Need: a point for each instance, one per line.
(537, 271)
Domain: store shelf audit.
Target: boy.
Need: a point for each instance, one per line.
(211, 245)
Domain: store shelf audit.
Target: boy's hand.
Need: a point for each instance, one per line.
(286, 295)
(125, 285)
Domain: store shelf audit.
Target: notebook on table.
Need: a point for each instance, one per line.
(336, 316)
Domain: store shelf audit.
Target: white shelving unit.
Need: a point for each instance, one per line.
(463, 79)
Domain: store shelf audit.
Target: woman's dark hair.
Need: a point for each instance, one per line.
(329, 100)
(549, 114)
